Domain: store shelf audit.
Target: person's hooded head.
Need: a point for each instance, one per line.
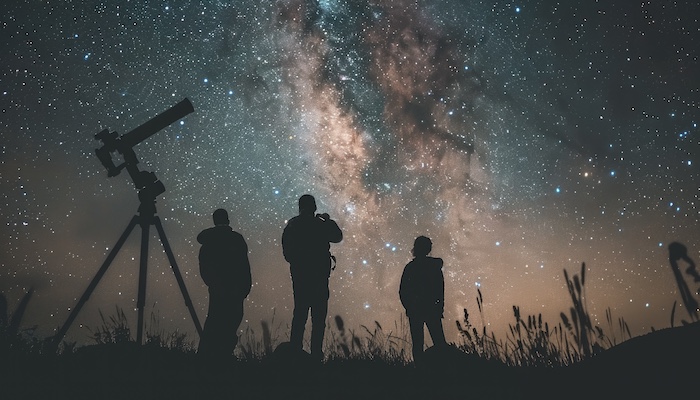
(422, 246)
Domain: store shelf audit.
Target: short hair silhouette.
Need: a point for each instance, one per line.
(307, 204)
(306, 244)
(220, 217)
(422, 246)
(225, 269)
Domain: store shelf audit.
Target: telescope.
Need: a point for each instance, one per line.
(146, 182)
(149, 188)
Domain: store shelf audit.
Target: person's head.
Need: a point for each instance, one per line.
(422, 246)
(307, 204)
(220, 217)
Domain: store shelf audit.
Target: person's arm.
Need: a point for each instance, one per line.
(442, 293)
(333, 231)
(207, 235)
(205, 262)
(437, 286)
(405, 290)
(247, 277)
(287, 246)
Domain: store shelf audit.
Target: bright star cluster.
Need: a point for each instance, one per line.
(524, 138)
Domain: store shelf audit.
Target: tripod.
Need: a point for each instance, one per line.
(145, 218)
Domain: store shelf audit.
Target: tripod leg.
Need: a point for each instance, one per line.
(178, 276)
(95, 280)
(143, 273)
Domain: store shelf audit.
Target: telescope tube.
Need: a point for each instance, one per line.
(160, 121)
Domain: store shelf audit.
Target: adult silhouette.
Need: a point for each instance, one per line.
(676, 252)
(306, 246)
(422, 293)
(225, 269)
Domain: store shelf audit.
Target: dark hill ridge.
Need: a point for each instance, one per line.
(665, 347)
(662, 364)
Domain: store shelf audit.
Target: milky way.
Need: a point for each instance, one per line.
(523, 138)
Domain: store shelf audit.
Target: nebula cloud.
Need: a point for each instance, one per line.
(415, 168)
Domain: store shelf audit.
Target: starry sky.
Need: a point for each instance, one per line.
(524, 138)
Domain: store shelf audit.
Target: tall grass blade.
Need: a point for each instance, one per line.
(16, 319)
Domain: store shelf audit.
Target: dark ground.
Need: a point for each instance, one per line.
(662, 364)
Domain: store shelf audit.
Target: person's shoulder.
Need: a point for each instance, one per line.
(206, 235)
(204, 232)
(436, 261)
(294, 220)
(411, 265)
(237, 235)
(303, 222)
(426, 261)
(227, 232)
(217, 234)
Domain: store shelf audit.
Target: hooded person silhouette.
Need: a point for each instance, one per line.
(422, 293)
(225, 269)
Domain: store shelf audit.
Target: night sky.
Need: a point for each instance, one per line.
(523, 137)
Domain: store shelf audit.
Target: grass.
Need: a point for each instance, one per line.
(370, 362)
(532, 342)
